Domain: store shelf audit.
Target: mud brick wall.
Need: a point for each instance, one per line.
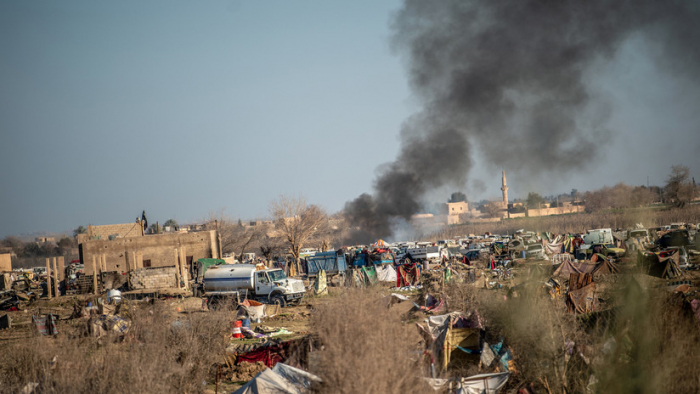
(158, 249)
(153, 278)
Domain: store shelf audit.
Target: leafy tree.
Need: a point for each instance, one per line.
(457, 197)
(31, 249)
(534, 200)
(13, 242)
(66, 242)
(172, 224)
(79, 230)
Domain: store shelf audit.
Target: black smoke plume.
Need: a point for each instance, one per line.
(508, 78)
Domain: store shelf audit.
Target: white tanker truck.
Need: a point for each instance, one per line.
(243, 280)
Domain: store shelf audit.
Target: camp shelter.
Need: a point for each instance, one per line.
(662, 267)
(370, 275)
(580, 297)
(386, 273)
(606, 267)
(569, 267)
(488, 383)
(407, 274)
(282, 379)
(453, 338)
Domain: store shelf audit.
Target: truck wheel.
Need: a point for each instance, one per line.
(278, 300)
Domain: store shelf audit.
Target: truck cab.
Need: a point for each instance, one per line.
(245, 280)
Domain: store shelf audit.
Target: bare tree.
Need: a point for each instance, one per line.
(493, 210)
(679, 188)
(235, 238)
(297, 222)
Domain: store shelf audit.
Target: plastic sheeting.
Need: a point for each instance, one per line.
(488, 383)
(282, 379)
(386, 273)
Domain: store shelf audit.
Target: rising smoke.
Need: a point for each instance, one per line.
(508, 78)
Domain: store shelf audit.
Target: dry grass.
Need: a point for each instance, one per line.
(366, 346)
(156, 356)
(655, 345)
(647, 344)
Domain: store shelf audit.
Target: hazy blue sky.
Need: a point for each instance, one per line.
(183, 108)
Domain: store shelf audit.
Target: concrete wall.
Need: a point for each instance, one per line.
(484, 220)
(554, 211)
(5, 262)
(153, 278)
(124, 230)
(163, 250)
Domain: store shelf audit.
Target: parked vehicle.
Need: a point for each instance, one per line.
(637, 239)
(333, 263)
(607, 250)
(598, 236)
(244, 280)
(674, 238)
(534, 251)
(429, 253)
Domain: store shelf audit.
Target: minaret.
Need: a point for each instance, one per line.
(505, 191)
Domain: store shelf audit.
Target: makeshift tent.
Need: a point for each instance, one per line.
(408, 274)
(379, 244)
(569, 267)
(488, 383)
(552, 248)
(282, 379)
(662, 267)
(369, 275)
(582, 300)
(452, 338)
(386, 273)
(606, 267)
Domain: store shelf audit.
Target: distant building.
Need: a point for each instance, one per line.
(43, 240)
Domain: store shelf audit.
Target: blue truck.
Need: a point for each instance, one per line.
(333, 263)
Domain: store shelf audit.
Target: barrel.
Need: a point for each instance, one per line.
(523, 254)
(236, 328)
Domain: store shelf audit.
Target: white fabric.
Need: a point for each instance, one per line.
(478, 384)
(296, 376)
(386, 273)
(268, 381)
